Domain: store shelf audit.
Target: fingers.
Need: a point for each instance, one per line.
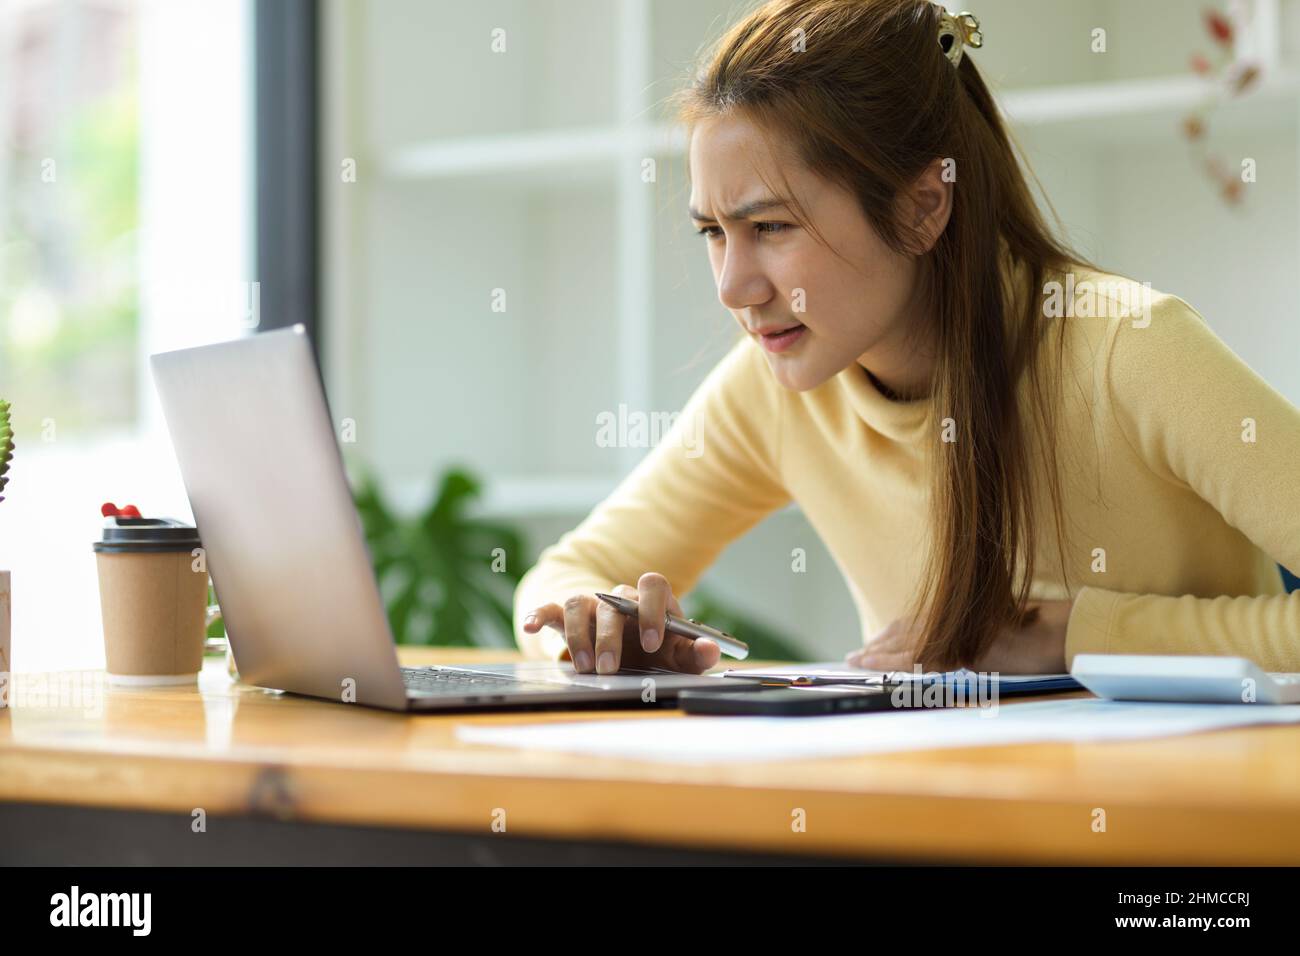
(889, 649)
(579, 612)
(876, 661)
(551, 615)
(654, 597)
(707, 654)
(880, 659)
(688, 656)
(872, 659)
(548, 615)
(611, 626)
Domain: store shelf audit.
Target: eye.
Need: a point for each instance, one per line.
(770, 228)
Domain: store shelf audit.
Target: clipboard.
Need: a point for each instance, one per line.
(833, 673)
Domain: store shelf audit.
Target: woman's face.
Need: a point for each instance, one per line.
(772, 274)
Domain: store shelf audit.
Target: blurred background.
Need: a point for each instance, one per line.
(453, 197)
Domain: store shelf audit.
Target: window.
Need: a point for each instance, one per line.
(125, 229)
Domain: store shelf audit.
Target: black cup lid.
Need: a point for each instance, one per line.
(147, 534)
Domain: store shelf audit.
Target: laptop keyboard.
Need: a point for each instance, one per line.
(456, 683)
(433, 681)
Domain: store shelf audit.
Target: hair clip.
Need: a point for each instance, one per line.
(956, 32)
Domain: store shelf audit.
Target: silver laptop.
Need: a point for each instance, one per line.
(284, 546)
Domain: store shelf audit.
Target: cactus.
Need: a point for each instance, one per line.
(6, 445)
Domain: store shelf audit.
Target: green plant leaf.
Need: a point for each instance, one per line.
(435, 569)
(6, 444)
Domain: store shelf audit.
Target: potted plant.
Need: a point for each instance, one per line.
(6, 455)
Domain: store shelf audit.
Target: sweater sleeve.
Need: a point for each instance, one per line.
(1181, 398)
(710, 478)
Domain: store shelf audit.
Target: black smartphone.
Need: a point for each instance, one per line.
(792, 702)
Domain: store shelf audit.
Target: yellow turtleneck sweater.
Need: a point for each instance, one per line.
(1180, 483)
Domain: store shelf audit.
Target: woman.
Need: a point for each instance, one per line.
(953, 377)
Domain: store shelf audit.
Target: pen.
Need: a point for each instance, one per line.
(685, 626)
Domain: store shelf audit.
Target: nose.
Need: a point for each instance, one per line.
(742, 284)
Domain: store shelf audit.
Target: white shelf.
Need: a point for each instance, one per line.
(516, 152)
(592, 148)
(1118, 110)
(551, 495)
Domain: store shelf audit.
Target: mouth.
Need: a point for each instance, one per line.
(777, 331)
(778, 340)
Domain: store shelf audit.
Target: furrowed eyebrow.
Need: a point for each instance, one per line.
(743, 212)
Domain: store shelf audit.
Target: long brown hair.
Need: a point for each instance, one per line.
(865, 96)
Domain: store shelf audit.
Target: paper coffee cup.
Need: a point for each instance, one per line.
(153, 601)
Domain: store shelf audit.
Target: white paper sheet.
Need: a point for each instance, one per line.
(701, 740)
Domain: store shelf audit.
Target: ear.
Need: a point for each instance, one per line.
(927, 205)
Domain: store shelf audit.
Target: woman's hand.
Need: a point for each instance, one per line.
(601, 639)
(1037, 647)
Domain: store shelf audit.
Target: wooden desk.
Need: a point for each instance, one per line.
(78, 785)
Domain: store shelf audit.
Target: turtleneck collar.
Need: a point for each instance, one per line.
(901, 421)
